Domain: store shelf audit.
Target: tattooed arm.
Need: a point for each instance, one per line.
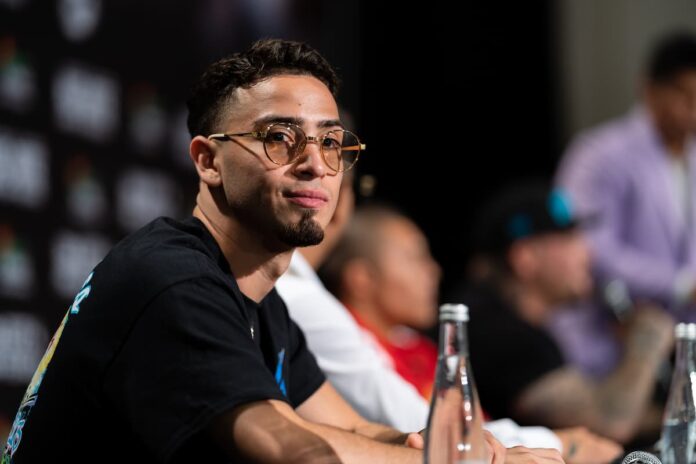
(615, 406)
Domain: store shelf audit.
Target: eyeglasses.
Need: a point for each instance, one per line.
(284, 142)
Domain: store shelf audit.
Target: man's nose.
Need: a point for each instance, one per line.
(311, 159)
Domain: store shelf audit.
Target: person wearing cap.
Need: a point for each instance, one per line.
(382, 270)
(531, 258)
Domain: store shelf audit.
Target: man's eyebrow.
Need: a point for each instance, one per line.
(275, 118)
(331, 123)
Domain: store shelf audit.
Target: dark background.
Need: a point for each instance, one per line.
(454, 107)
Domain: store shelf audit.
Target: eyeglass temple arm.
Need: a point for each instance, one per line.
(361, 147)
(226, 136)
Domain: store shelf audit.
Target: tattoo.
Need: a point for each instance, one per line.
(557, 398)
(572, 449)
(645, 341)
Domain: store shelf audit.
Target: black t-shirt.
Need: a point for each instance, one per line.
(159, 341)
(507, 353)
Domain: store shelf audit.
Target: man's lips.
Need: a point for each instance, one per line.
(308, 198)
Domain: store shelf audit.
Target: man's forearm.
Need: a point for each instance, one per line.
(381, 433)
(373, 443)
(270, 432)
(624, 395)
(565, 398)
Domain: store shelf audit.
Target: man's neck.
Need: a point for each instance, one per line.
(675, 146)
(255, 267)
(314, 255)
(372, 318)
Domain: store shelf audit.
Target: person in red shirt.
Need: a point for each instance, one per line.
(382, 270)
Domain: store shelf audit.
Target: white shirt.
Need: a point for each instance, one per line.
(346, 356)
(358, 371)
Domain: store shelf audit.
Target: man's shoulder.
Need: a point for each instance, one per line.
(164, 252)
(616, 137)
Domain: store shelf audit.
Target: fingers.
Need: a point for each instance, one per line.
(496, 450)
(415, 440)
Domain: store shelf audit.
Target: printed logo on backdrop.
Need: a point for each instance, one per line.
(17, 78)
(22, 342)
(72, 256)
(78, 19)
(86, 199)
(147, 119)
(143, 195)
(16, 267)
(86, 102)
(24, 169)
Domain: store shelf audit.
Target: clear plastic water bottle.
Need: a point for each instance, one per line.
(455, 424)
(679, 425)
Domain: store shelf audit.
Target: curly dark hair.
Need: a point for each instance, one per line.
(265, 58)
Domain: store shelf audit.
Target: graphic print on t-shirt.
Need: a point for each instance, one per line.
(279, 373)
(32, 392)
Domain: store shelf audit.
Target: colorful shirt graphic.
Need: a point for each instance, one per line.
(32, 392)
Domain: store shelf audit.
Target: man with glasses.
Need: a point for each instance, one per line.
(178, 348)
(284, 138)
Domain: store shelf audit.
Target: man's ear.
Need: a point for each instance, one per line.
(202, 153)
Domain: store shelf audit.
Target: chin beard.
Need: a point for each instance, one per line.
(304, 233)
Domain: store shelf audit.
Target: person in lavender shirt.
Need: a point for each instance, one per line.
(637, 176)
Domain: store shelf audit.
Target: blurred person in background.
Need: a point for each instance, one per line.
(392, 256)
(636, 175)
(382, 270)
(532, 258)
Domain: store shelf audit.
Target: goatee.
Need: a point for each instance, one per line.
(305, 232)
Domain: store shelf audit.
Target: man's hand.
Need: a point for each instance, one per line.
(496, 450)
(519, 454)
(580, 446)
(500, 455)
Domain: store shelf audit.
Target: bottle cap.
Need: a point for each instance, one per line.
(454, 312)
(685, 331)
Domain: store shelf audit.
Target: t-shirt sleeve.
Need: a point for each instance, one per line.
(305, 375)
(188, 358)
